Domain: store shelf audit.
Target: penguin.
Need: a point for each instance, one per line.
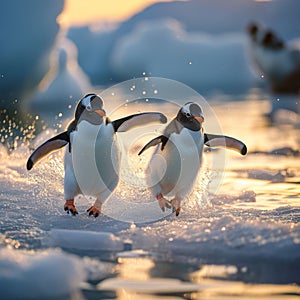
(278, 61)
(92, 158)
(177, 158)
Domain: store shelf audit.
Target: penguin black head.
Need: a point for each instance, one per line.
(264, 37)
(191, 116)
(90, 108)
(252, 30)
(270, 40)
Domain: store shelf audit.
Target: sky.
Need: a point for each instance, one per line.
(78, 12)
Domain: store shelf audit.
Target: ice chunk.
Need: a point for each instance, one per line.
(217, 62)
(50, 274)
(84, 240)
(157, 285)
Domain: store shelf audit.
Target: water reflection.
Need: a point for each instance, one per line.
(148, 278)
(135, 268)
(284, 108)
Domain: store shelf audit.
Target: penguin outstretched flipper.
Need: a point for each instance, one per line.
(160, 139)
(47, 147)
(214, 140)
(129, 122)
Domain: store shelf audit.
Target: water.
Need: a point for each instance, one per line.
(242, 242)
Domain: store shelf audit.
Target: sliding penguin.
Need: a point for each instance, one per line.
(92, 158)
(176, 161)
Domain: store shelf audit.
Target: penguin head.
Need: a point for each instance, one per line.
(264, 37)
(191, 116)
(270, 40)
(90, 109)
(252, 30)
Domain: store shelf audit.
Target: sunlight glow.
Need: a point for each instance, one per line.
(78, 13)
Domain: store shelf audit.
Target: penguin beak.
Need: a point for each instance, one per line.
(100, 112)
(200, 119)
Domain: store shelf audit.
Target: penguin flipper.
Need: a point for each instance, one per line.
(47, 147)
(160, 139)
(132, 121)
(213, 140)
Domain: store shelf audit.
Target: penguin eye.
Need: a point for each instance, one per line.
(88, 108)
(188, 114)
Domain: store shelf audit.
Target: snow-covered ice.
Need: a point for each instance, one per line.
(243, 240)
(39, 275)
(247, 233)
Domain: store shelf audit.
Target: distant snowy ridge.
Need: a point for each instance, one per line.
(208, 38)
(202, 61)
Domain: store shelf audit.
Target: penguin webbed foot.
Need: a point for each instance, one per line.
(175, 204)
(94, 211)
(69, 207)
(163, 202)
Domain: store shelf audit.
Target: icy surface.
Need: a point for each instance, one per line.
(84, 240)
(248, 232)
(31, 29)
(200, 60)
(189, 53)
(38, 275)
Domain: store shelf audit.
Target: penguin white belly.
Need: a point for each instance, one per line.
(96, 159)
(182, 158)
(274, 63)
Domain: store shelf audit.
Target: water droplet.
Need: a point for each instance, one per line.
(132, 226)
(155, 91)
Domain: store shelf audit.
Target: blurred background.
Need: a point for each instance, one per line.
(54, 52)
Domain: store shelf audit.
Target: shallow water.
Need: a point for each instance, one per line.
(242, 242)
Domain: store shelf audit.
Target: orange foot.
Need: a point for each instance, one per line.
(162, 202)
(70, 207)
(93, 211)
(175, 203)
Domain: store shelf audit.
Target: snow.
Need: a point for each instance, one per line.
(159, 285)
(39, 275)
(192, 40)
(246, 233)
(84, 240)
(62, 86)
(212, 16)
(252, 214)
(165, 49)
(28, 32)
